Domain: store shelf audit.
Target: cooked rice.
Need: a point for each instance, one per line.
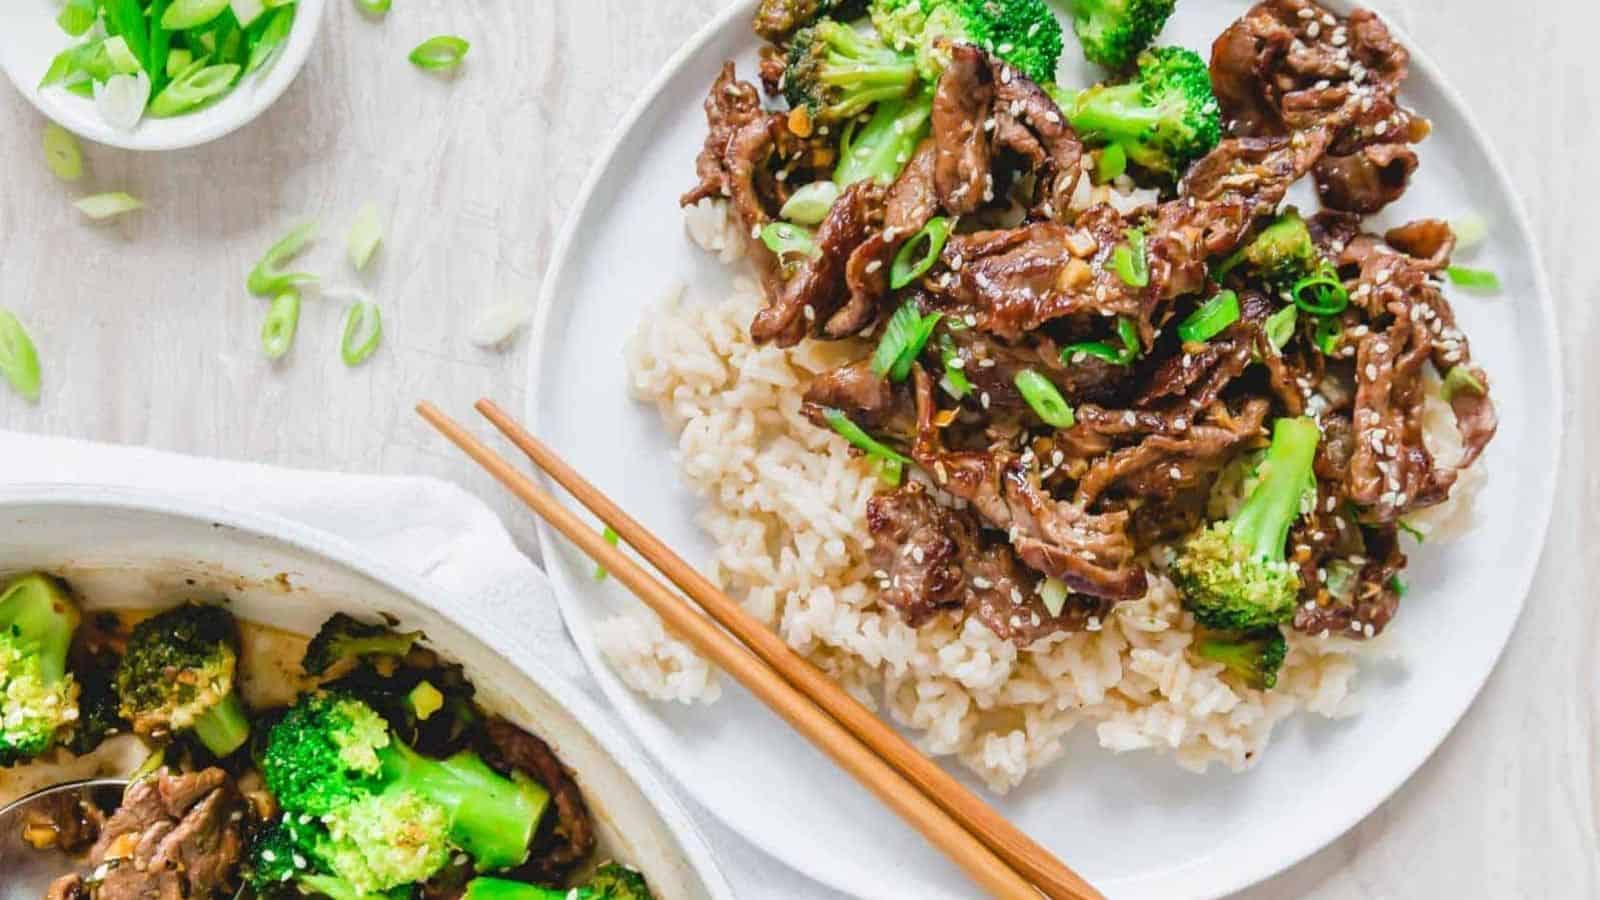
(785, 508)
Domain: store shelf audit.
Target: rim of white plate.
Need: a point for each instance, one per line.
(331, 547)
(848, 875)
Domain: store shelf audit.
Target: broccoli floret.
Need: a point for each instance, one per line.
(286, 860)
(1165, 118)
(1252, 658)
(1283, 253)
(777, 19)
(612, 881)
(38, 698)
(1112, 32)
(345, 637)
(1024, 33)
(836, 72)
(882, 147)
(1233, 574)
(332, 756)
(178, 675)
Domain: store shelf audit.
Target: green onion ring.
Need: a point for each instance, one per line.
(62, 153)
(955, 377)
(1327, 336)
(810, 204)
(439, 54)
(363, 328)
(365, 234)
(19, 359)
(1211, 319)
(1127, 331)
(1043, 398)
(100, 207)
(266, 279)
(1473, 279)
(787, 239)
(903, 271)
(1321, 294)
(283, 319)
(1280, 326)
(1113, 161)
(1129, 262)
(903, 338)
(193, 88)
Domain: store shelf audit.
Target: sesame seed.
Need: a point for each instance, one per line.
(874, 266)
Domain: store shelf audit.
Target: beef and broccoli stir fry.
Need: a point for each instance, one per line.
(384, 778)
(1090, 307)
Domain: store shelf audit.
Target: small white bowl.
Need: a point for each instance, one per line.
(30, 39)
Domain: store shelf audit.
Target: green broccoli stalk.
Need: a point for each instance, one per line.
(612, 881)
(1113, 32)
(836, 72)
(1024, 33)
(333, 757)
(1251, 658)
(1281, 254)
(344, 637)
(882, 147)
(178, 675)
(38, 698)
(1165, 118)
(1233, 574)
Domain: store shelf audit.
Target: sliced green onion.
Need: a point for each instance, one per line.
(373, 7)
(1043, 398)
(1221, 270)
(267, 279)
(955, 377)
(905, 269)
(272, 39)
(1127, 331)
(1280, 326)
(1473, 279)
(283, 319)
(1211, 319)
(178, 59)
(185, 14)
(84, 89)
(891, 464)
(902, 342)
(77, 17)
(121, 99)
(100, 207)
(192, 89)
(440, 53)
(1461, 378)
(786, 239)
(1112, 162)
(127, 18)
(1412, 530)
(891, 471)
(365, 233)
(1053, 592)
(62, 153)
(122, 59)
(160, 47)
(611, 537)
(1399, 587)
(246, 12)
(1129, 262)
(363, 328)
(1328, 335)
(1470, 230)
(1321, 293)
(19, 360)
(810, 204)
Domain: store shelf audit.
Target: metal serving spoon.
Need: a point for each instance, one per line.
(27, 871)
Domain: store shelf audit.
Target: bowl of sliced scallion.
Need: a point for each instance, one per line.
(155, 74)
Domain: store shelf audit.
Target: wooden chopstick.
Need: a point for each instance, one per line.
(1007, 841)
(932, 822)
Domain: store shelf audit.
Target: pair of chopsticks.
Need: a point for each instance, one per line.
(992, 851)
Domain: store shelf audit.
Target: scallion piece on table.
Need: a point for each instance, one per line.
(1128, 260)
(891, 461)
(363, 329)
(955, 377)
(62, 153)
(373, 7)
(1280, 326)
(268, 279)
(903, 339)
(1127, 333)
(183, 15)
(810, 204)
(1321, 293)
(1211, 319)
(1112, 162)
(283, 319)
(1458, 379)
(1469, 231)
(1053, 591)
(611, 537)
(1473, 279)
(787, 239)
(365, 234)
(19, 360)
(193, 88)
(441, 53)
(101, 207)
(910, 262)
(1043, 398)
(272, 39)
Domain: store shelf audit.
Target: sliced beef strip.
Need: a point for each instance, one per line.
(819, 289)
(992, 364)
(1369, 605)
(566, 837)
(1162, 467)
(918, 552)
(909, 204)
(962, 105)
(731, 105)
(1005, 598)
(1196, 375)
(873, 402)
(1366, 180)
(1029, 123)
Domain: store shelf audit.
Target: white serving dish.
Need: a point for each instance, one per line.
(133, 549)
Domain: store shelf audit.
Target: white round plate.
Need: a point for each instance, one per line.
(30, 38)
(1135, 825)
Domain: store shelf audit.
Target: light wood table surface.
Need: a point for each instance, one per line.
(148, 336)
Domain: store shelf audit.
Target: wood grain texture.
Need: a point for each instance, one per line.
(149, 338)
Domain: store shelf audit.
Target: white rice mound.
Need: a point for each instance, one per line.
(785, 506)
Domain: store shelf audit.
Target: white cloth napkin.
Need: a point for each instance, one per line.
(421, 525)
